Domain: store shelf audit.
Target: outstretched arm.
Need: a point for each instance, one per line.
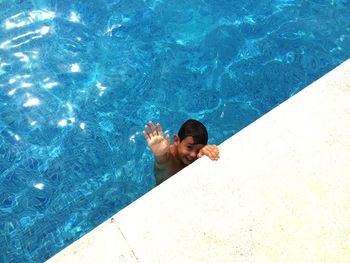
(158, 144)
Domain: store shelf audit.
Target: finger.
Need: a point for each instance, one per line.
(153, 128)
(216, 154)
(213, 149)
(216, 149)
(211, 153)
(148, 131)
(202, 152)
(160, 131)
(168, 138)
(146, 136)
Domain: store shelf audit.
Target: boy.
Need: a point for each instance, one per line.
(189, 144)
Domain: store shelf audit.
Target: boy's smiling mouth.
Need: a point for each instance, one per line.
(188, 160)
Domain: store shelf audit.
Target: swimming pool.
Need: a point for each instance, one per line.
(79, 81)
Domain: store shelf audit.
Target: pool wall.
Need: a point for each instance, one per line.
(279, 193)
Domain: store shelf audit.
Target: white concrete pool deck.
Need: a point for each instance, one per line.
(279, 193)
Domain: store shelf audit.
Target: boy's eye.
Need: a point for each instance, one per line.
(189, 146)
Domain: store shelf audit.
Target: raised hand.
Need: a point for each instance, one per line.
(156, 141)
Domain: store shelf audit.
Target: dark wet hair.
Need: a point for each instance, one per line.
(196, 129)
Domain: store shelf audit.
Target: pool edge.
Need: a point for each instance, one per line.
(221, 211)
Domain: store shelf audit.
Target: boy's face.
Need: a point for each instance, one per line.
(187, 151)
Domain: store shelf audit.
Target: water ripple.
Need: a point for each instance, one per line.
(78, 81)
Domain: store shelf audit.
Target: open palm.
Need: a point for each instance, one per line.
(155, 139)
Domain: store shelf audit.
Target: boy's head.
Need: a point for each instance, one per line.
(196, 129)
(191, 138)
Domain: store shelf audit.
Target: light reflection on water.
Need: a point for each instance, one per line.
(78, 82)
(59, 146)
(24, 20)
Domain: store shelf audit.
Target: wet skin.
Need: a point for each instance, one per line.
(170, 159)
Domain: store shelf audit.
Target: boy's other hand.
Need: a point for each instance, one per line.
(212, 151)
(155, 139)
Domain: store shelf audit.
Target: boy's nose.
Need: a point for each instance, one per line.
(193, 154)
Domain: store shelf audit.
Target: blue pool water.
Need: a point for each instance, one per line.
(79, 80)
